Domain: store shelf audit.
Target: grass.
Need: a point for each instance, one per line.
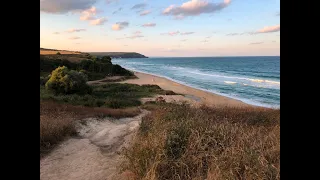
(57, 121)
(110, 95)
(181, 142)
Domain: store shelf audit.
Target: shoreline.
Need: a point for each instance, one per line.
(207, 98)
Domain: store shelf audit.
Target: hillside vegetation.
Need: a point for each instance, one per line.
(180, 142)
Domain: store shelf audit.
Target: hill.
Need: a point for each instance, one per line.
(119, 54)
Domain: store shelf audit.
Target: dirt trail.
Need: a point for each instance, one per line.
(92, 155)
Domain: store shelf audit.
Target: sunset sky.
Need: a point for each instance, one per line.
(163, 27)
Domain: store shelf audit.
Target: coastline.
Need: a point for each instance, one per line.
(207, 98)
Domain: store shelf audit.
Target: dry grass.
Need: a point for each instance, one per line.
(50, 52)
(57, 121)
(180, 142)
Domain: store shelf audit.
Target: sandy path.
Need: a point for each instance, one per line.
(205, 97)
(94, 154)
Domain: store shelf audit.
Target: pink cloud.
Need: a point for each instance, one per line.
(149, 25)
(99, 21)
(143, 13)
(195, 7)
(88, 14)
(269, 29)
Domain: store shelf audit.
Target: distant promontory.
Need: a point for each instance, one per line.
(118, 54)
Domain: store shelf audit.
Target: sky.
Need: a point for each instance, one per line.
(163, 28)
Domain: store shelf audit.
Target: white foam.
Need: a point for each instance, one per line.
(247, 101)
(230, 82)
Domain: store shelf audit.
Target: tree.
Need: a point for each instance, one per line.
(58, 53)
(64, 81)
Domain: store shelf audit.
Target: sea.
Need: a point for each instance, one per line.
(253, 80)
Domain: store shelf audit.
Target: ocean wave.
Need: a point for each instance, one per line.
(230, 82)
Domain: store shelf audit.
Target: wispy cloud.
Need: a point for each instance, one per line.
(174, 33)
(139, 6)
(74, 38)
(186, 33)
(177, 33)
(146, 12)
(195, 7)
(120, 25)
(72, 30)
(135, 36)
(116, 11)
(99, 21)
(149, 25)
(269, 29)
(233, 34)
(204, 41)
(278, 14)
(255, 43)
(65, 6)
(183, 40)
(56, 33)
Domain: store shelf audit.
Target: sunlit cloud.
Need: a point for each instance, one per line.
(120, 25)
(99, 21)
(186, 33)
(269, 29)
(143, 13)
(195, 7)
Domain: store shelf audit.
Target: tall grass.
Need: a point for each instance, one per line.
(180, 142)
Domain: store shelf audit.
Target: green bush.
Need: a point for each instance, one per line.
(63, 81)
(58, 53)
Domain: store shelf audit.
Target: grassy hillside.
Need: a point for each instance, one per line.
(119, 54)
(181, 142)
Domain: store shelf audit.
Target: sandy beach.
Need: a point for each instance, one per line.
(190, 94)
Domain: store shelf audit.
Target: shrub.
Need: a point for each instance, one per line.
(63, 81)
(58, 53)
(118, 70)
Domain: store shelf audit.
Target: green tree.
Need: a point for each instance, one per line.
(64, 81)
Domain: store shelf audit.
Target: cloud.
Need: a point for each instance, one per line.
(177, 33)
(137, 32)
(99, 21)
(149, 25)
(186, 33)
(120, 25)
(195, 7)
(184, 40)
(111, 1)
(205, 41)
(135, 36)
(64, 6)
(88, 14)
(171, 33)
(56, 33)
(72, 30)
(179, 17)
(139, 6)
(269, 29)
(255, 43)
(74, 38)
(232, 34)
(273, 41)
(143, 13)
(116, 11)
(278, 14)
